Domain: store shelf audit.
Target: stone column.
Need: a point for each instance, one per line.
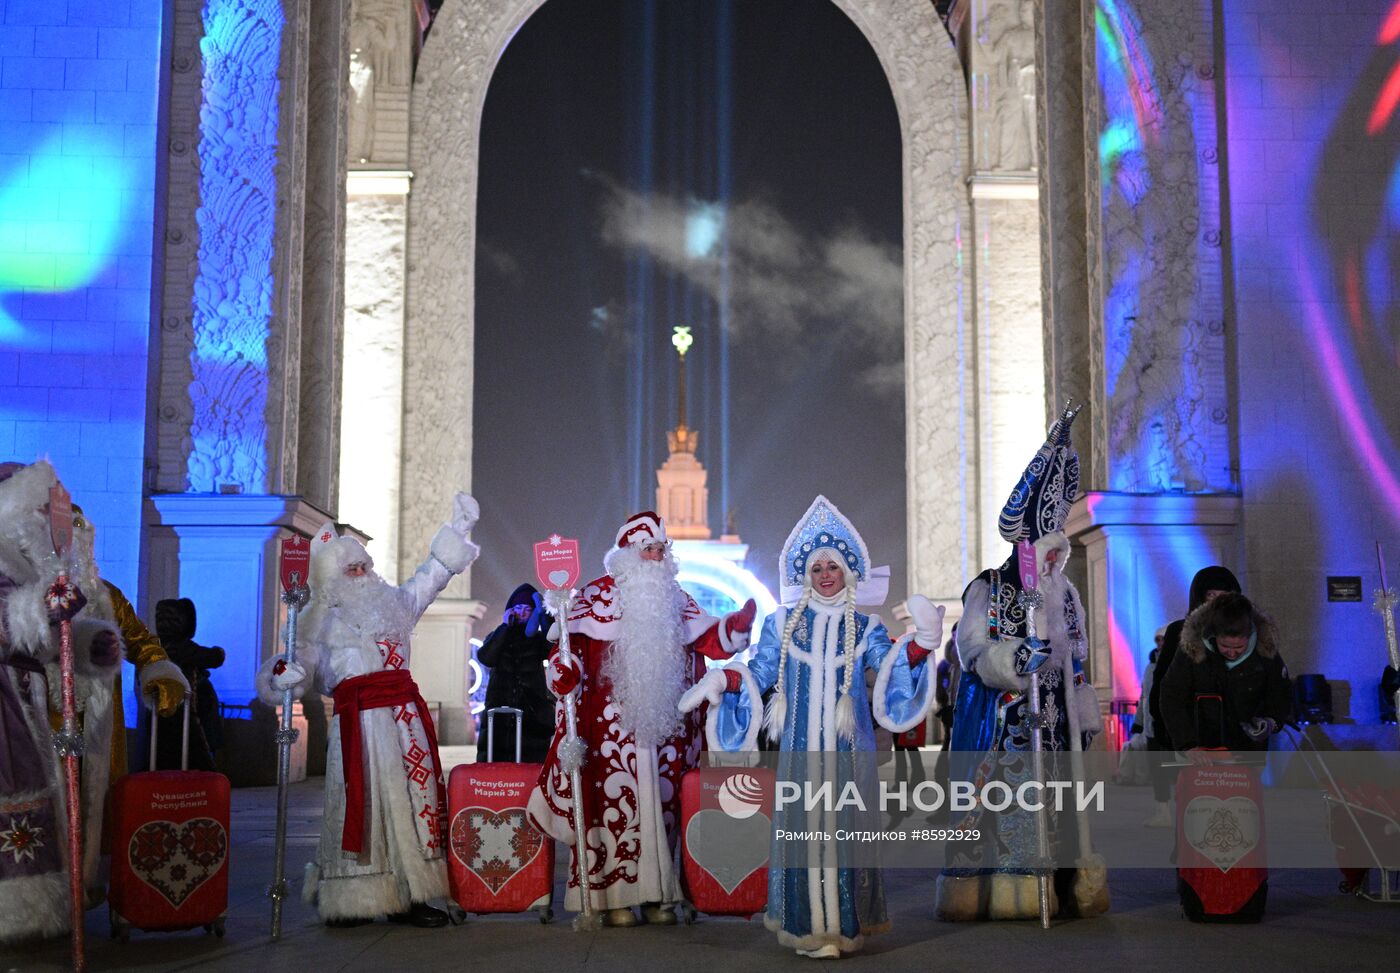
(244, 376)
(1137, 549)
(1134, 307)
(1006, 261)
(371, 458)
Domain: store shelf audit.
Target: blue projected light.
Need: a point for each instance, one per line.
(237, 224)
(61, 219)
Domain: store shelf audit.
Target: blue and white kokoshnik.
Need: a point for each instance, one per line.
(825, 527)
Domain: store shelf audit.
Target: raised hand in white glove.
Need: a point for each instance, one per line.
(287, 675)
(465, 513)
(927, 619)
(710, 689)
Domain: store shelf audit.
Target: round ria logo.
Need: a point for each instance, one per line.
(740, 796)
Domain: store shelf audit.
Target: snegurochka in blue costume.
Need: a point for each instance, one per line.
(814, 654)
(991, 736)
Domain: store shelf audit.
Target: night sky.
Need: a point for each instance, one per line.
(734, 167)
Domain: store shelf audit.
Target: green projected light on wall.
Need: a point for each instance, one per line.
(61, 217)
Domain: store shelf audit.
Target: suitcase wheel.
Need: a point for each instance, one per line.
(216, 927)
(546, 914)
(687, 912)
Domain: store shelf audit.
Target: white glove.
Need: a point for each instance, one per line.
(291, 677)
(927, 619)
(465, 513)
(710, 689)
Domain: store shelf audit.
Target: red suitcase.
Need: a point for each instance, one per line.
(498, 861)
(726, 828)
(1222, 875)
(170, 843)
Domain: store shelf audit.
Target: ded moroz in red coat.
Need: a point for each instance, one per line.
(631, 796)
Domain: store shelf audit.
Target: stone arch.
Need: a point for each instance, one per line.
(926, 80)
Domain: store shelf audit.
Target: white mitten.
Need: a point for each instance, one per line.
(710, 689)
(291, 677)
(465, 513)
(928, 621)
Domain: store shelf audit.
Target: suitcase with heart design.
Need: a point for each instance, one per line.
(497, 860)
(726, 828)
(1222, 874)
(169, 832)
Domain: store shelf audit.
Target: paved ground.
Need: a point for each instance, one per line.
(1308, 927)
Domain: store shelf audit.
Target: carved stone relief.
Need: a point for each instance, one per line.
(380, 72)
(926, 79)
(1004, 68)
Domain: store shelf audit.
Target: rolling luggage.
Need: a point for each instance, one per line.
(1221, 874)
(169, 835)
(497, 860)
(726, 827)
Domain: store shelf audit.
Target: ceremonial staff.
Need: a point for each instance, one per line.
(1032, 598)
(1385, 601)
(296, 560)
(557, 568)
(68, 741)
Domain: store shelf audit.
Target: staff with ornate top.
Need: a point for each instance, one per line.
(557, 568)
(1385, 602)
(69, 740)
(1031, 601)
(294, 570)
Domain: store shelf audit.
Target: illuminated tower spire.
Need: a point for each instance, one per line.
(681, 495)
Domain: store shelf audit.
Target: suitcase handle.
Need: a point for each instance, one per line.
(491, 729)
(184, 740)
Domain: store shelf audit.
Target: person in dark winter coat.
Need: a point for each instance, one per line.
(1208, 583)
(515, 653)
(1227, 686)
(175, 625)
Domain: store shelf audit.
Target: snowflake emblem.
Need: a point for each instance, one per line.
(22, 840)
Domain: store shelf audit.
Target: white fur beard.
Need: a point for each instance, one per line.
(368, 604)
(647, 663)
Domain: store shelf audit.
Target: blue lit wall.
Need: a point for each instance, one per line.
(1314, 161)
(78, 94)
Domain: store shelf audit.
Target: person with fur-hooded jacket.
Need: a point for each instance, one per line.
(1227, 686)
(1208, 583)
(33, 822)
(992, 723)
(383, 834)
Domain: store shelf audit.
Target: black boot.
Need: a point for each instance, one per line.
(422, 915)
(347, 922)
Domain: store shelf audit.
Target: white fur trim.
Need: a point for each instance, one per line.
(34, 906)
(815, 940)
(755, 711)
(882, 685)
(994, 662)
(310, 883)
(26, 622)
(554, 825)
(360, 896)
(84, 631)
(452, 550)
(160, 669)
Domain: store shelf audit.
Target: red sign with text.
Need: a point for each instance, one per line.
(60, 519)
(1025, 556)
(556, 562)
(295, 565)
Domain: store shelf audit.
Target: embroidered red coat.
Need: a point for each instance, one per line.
(631, 794)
